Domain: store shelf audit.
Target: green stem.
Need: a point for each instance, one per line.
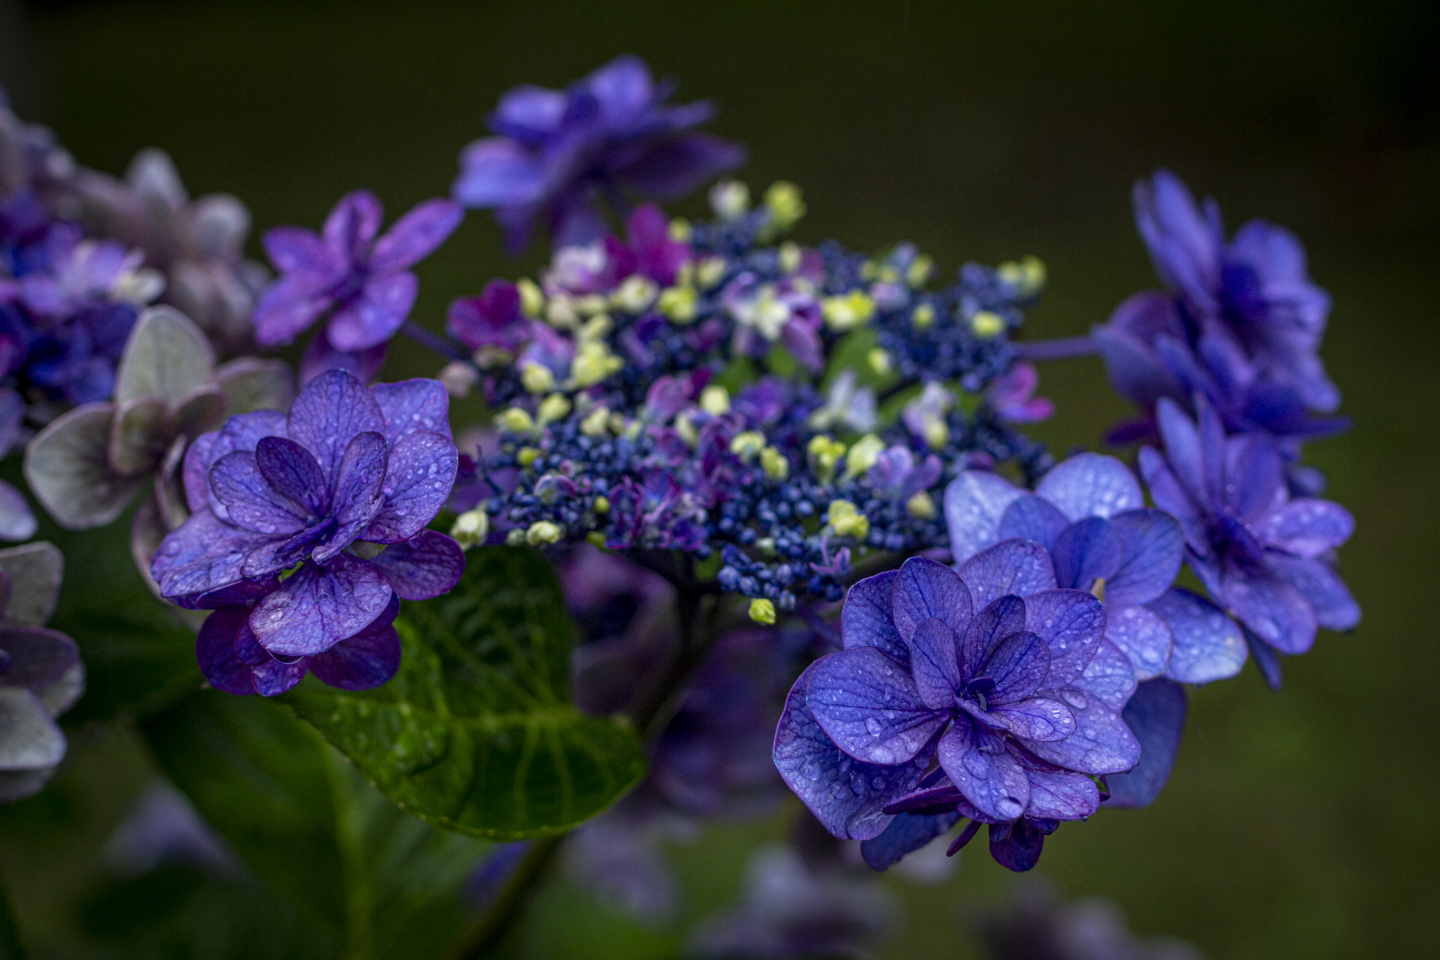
(510, 904)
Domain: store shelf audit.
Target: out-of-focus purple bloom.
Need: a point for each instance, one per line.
(898, 474)
(848, 406)
(1090, 514)
(1038, 926)
(1012, 395)
(162, 828)
(17, 522)
(1264, 557)
(765, 313)
(361, 279)
(559, 154)
(348, 466)
(491, 321)
(984, 670)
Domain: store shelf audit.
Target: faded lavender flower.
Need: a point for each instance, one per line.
(1265, 557)
(558, 155)
(349, 471)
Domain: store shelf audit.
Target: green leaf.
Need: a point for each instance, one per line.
(306, 822)
(477, 733)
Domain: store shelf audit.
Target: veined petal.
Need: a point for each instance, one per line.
(934, 664)
(1101, 743)
(1021, 567)
(411, 405)
(907, 833)
(415, 236)
(1086, 551)
(375, 315)
(1072, 622)
(1307, 528)
(1109, 676)
(1061, 795)
(865, 620)
(870, 707)
(292, 473)
(203, 555)
(1091, 485)
(364, 661)
(1142, 635)
(1277, 612)
(427, 565)
(924, 590)
(1018, 664)
(1156, 715)
(1000, 618)
(1152, 546)
(984, 770)
(1036, 719)
(1031, 518)
(320, 606)
(974, 503)
(250, 501)
(329, 411)
(1207, 646)
(215, 650)
(418, 480)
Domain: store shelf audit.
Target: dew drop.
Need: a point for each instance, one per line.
(811, 770)
(1073, 697)
(873, 726)
(978, 766)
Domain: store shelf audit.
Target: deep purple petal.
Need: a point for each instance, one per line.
(273, 677)
(1156, 715)
(411, 405)
(297, 250)
(250, 501)
(375, 315)
(1101, 743)
(924, 590)
(1086, 551)
(292, 473)
(974, 503)
(1254, 477)
(498, 172)
(1207, 644)
(1152, 547)
(329, 411)
(417, 484)
(286, 309)
(1072, 622)
(1031, 518)
(1306, 527)
(1061, 795)
(984, 770)
(1170, 495)
(865, 620)
(320, 606)
(934, 664)
(870, 707)
(415, 236)
(1016, 846)
(1035, 719)
(907, 833)
(1018, 664)
(1182, 452)
(1143, 636)
(1091, 485)
(999, 619)
(215, 649)
(358, 498)
(845, 795)
(1263, 601)
(529, 113)
(203, 555)
(1021, 567)
(366, 660)
(353, 224)
(674, 167)
(425, 566)
(1322, 588)
(1109, 676)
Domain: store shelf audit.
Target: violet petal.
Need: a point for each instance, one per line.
(870, 707)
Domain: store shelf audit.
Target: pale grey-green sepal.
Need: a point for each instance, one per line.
(29, 738)
(34, 570)
(251, 384)
(68, 468)
(166, 356)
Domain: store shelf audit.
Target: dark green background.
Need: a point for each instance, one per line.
(1297, 825)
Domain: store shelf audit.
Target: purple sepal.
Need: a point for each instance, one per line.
(907, 833)
(366, 660)
(1020, 567)
(1156, 715)
(320, 606)
(425, 566)
(870, 707)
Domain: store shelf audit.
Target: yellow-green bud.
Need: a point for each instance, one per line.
(515, 420)
(593, 362)
(635, 293)
(709, 272)
(923, 316)
(589, 304)
(715, 399)
(542, 532)
(826, 453)
(848, 311)
(863, 454)
(554, 407)
(748, 445)
(532, 301)
(680, 230)
(595, 423)
(687, 430)
(774, 463)
(937, 434)
(730, 199)
(790, 256)
(762, 611)
(847, 521)
(515, 538)
(527, 455)
(601, 504)
(677, 303)
(785, 203)
(921, 506)
(919, 271)
(987, 324)
(537, 378)
(560, 312)
(596, 538)
(879, 360)
(470, 528)
(1027, 276)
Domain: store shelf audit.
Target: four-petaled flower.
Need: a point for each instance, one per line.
(362, 281)
(290, 514)
(1264, 557)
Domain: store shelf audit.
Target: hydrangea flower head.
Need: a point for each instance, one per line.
(286, 510)
(1265, 557)
(984, 670)
(351, 272)
(558, 153)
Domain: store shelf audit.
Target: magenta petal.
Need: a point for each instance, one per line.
(411, 405)
(1109, 676)
(869, 705)
(1091, 485)
(297, 250)
(375, 315)
(215, 649)
(418, 480)
(847, 796)
(353, 224)
(415, 236)
(1072, 622)
(1101, 743)
(934, 663)
(292, 473)
(865, 620)
(427, 565)
(363, 662)
(320, 606)
(975, 501)
(329, 411)
(984, 770)
(1020, 567)
(203, 555)
(925, 590)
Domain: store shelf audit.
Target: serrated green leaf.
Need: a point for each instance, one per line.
(476, 732)
(305, 821)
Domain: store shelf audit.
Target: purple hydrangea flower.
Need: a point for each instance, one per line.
(1012, 395)
(288, 514)
(1264, 557)
(986, 670)
(558, 154)
(363, 281)
(1090, 514)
